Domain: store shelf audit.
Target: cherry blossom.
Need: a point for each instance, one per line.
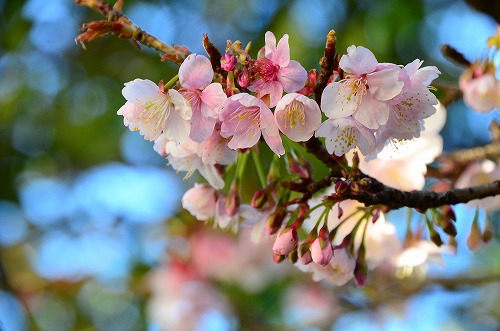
(276, 72)
(297, 116)
(153, 111)
(343, 134)
(338, 271)
(244, 117)
(200, 201)
(364, 91)
(480, 87)
(205, 97)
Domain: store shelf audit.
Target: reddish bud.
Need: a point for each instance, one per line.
(341, 187)
(321, 248)
(475, 239)
(298, 169)
(227, 62)
(233, 201)
(304, 253)
(355, 187)
(260, 198)
(436, 238)
(244, 78)
(360, 272)
(449, 213)
(274, 220)
(376, 216)
(449, 228)
(286, 241)
(278, 258)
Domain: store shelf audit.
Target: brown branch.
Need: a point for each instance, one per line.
(329, 63)
(423, 200)
(117, 23)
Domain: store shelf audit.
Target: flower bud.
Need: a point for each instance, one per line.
(244, 78)
(475, 239)
(449, 228)
(449, 213)
(436, 238)
(360, 272)
(293, 256)
(376, 216)
(278, 258)
(365, 182)
(233, 200)
(227, 62)
(286, 241)
(341, 187)
(260, 198)
(488, 232)
(355, 187)
(305, 253)
(274, 220)
(321, 248)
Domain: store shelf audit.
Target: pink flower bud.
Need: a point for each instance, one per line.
(228, 61)
(304, 254)
(244, 78)
(286, 241)
(260, 198)
(233, 201)
(360, 273)
(278, 258)
(274, 220)
(321, 248)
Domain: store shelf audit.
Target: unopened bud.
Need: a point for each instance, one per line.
(227, 61)
(376, 216)
(365, 182)
(286, 241)
(321, 248)
(298, 169)
(355, 160)
(278, 258)
(355, 187)
(475, 239)
(260, 198)
(293, 256)
(304, 253)
(488, 232)
(448, 213)
(436, 238)
(233, 200)
(341, 187)
(274, 220)
(449, 228)
(244, 78)
(360, 273)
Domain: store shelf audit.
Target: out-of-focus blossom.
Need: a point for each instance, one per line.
(338, 271)
(180, 300)
(478, 173)
(205, 97)
(244, 117)
(297, 116)
(275, 72)
(480, 87)
(200, 201)
(153, 111)
(403, 165)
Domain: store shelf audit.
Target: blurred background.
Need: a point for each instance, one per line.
(88, 211)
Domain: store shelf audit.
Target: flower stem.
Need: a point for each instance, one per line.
(260, 170)
(170, 83)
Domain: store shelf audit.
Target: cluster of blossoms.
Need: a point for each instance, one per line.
(204, 120)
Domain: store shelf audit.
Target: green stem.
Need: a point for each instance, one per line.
(170, 83)
(260, 170)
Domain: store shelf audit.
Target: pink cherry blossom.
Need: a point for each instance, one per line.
(297, 116)
(153, 111)
(321, 248)
(276, 72)
(185, 157)
(338, 271)
(343, 134)
(364, 91)
(195, 77)
(200, 201)
(286, 241)
(412, 105)
(244, 117)
(481, 93)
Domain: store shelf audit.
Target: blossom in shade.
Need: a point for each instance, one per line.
(206, 98)
(200, 201)
(153, 111)
(343, 134)
(275, 72)
(297, 116)
(364, 91)
(480, 87)
(244, 117)
(286, 241)
(185, 157)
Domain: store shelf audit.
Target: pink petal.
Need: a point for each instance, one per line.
(372, 113)
(201, 127)
(274, 90)
(196, 72)
(293, 77)
(209, 172)
(281, 56)
(359, 61)
(270, 47)
(212, 99)
(384, 84)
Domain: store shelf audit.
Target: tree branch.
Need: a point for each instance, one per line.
(117, 23)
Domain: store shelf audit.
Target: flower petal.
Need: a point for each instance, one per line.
(281, 56)
(201, 127)
(292, 77)
(139, 89)
(384, 84)
(359, 60)
(196, 72)
(337, 101)
(212, 99)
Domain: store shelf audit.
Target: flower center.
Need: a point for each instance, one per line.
(248, 120)
(264, 71)
(293, 115)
